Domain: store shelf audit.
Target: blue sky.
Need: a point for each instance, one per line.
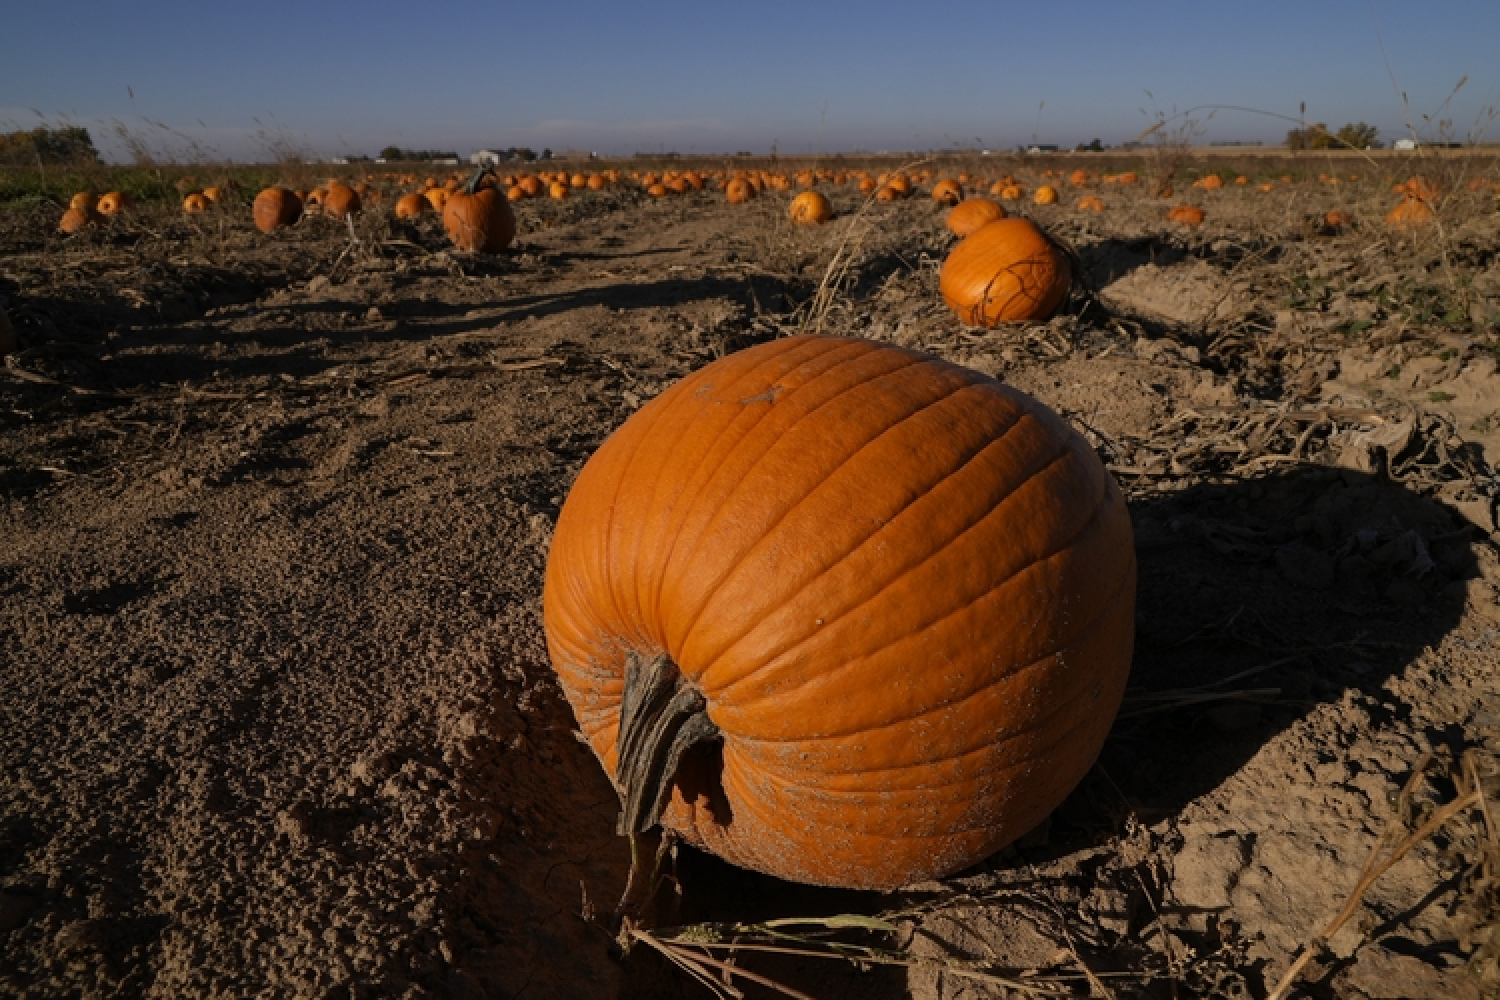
(707, 77)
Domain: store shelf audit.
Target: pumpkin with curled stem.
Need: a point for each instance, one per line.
(1006, 271)
(842, 612)
(479, 219)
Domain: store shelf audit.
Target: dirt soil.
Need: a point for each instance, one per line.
(276, 714)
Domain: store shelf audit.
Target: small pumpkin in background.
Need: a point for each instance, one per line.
(971, 213)
(598, 182)
(1336, 219)
(1128, 177)
(1242, 180)
(516, 193)
(1411, 213)
(275, 208)
(479, 219)
(811, 208)
(867, 185)
(842, 612)
(1045, 195)
(1091, 203)
(112, 203)
(657, 190)
(195, 203)
(84, 200)
(213, 195)
(411, 205)
(738, 191)
(75, 218)
(1010, 192)
(1189, 215)
(1266, 188)
(557, 191)
(1079, 178)
(1006, 271)
(1209, 182)
(887, 193)
(947, 193)
(341, 200)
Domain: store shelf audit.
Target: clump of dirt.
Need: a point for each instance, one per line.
(276, 711)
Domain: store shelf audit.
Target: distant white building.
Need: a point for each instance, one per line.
(488, 157)
(1406, 144)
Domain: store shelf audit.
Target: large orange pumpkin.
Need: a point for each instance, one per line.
(479, 219)
(971, 213)
(842, 612)
(1004, 272)
(275, 208)
(811, 208)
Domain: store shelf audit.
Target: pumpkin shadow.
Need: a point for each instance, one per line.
(1258, 600)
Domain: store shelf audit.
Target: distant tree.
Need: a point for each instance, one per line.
(522, 153)
(391, 153)
(1358, 135)
(71, 145)
(546, 154)
(1312, 137)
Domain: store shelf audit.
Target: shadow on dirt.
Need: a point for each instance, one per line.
(1258, 600)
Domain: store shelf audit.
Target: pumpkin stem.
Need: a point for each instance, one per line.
(661, 716)
(472, 187)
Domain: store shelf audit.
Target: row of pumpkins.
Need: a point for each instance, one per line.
(1003, 270)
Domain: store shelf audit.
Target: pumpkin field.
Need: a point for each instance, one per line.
(302, 611)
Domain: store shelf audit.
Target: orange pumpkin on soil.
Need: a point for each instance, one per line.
(195, 203)
(811, 208)
(947, 193)
(1045, 195)
(1211, 182)
(76, 218)
(341, 200)
(557, 191)
(1092, 203)
(1005, 272)
(411, 205)
(437, 197)
(1410, 214)
(1189, 215)
(275, 208)
(84, 200)
(739, 191)
(657, 191)
(113, 203)
(971, 213)
(1128, 177)
(842, 612)
(479, 220)
(1336, 219)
